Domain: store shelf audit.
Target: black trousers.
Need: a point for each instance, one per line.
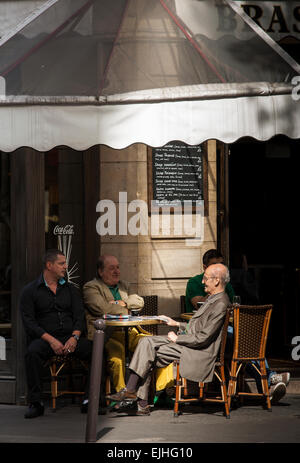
(38, 352)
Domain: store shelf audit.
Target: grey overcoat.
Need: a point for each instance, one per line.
(201, 342)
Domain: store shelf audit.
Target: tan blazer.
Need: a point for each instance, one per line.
(201, 342)
(96, 297)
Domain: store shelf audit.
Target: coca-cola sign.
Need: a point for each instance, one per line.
(66, 230)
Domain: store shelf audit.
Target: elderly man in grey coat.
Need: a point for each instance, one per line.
(196, 346)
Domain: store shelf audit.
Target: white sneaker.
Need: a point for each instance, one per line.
(281, 378)
(277, 391)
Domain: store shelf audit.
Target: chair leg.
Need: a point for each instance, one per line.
(53, 386)
(201, 390)
(232, 382)
(224, 392)
(264, 383)
(177, 392)
(185, 386)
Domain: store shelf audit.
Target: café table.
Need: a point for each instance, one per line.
(129, 322)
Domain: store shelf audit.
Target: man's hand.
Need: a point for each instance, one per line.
(57, 346)
(70, 346)
(172, 336)
(169, 321)
(119, 302)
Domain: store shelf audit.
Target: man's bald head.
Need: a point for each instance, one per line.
(221, 272)
(215, 278)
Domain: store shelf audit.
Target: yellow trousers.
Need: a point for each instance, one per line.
(115, 349)
(164, 377)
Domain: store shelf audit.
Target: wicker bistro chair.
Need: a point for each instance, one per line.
(70, 366)
(182, 394)
(150, 308)
(251, 325)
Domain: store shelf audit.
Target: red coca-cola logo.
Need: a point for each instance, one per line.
(66, 230)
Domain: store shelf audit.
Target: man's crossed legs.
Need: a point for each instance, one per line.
(152, 351)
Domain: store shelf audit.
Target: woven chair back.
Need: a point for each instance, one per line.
(150, 308)
(251, 325)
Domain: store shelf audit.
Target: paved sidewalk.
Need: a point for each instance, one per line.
(198, 424)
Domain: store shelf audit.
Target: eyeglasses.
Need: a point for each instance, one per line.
(205, 278)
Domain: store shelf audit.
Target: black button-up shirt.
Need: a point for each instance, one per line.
(45, 312)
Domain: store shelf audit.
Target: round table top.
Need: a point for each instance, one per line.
(132, 322)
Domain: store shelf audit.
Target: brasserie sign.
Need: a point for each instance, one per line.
(279, 19)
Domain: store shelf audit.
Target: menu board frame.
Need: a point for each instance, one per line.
(151, 178)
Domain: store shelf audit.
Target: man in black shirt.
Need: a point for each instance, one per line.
(53, 318)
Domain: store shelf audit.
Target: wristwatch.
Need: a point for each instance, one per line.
(76, 337)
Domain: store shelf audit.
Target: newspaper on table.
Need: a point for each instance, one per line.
(109, 316)
(135, 318)
(151, 317)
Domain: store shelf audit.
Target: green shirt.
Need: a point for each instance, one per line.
(115, 292)
(195, 287)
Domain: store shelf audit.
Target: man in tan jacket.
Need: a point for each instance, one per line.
(197, 347)
(107, 294)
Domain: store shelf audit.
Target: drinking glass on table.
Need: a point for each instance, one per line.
(135, 312)
(236, 301)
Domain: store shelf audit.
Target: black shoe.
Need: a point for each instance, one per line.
(125, 407)
(34, 410)
(84, 407)
(101, 410)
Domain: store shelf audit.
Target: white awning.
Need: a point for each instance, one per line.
(43, 127)
(82, 72)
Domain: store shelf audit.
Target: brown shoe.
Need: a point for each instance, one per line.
(143, 411)
(122, 395)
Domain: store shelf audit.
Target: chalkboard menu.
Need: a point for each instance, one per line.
(179, 172)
